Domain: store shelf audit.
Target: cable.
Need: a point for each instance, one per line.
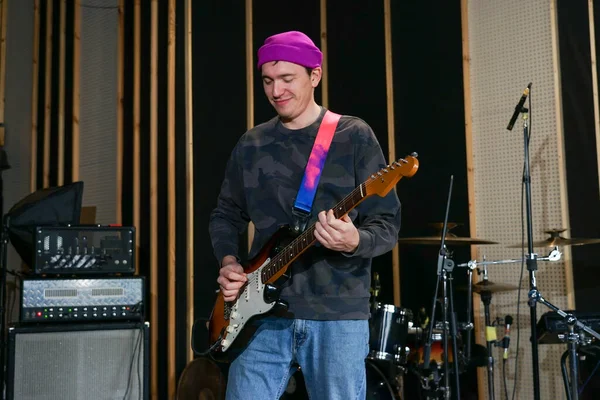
(504, 376)
(135, 349)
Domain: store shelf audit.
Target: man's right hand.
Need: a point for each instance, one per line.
(231, 278)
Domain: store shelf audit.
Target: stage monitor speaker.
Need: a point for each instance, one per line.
(71, 361)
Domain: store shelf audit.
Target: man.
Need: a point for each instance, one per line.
(327, 331)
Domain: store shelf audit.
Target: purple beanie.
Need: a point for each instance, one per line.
(293, 46)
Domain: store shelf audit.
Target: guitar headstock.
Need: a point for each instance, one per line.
(381, 182)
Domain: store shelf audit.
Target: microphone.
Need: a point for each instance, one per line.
(508, 320)
(519, 107)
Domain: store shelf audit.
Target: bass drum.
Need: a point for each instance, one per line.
(379, 387)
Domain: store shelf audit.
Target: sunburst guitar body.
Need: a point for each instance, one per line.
(230, 326)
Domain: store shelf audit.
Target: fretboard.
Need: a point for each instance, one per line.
(300, 244)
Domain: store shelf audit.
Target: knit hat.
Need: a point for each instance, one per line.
(291, 46)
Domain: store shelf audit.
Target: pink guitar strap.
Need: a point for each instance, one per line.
(312, 174)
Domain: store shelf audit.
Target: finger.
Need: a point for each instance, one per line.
(322, 239)
(233, 285)
(322, 217)
(322, 234)
(331, 217)
(318, 236)
(234, 276)
(338, 225)
(325, 219)
(346, 219)
(235, 267)
(222, 280)
(230, 298)
(230, 293)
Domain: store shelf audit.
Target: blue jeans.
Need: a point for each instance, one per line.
(331, 355)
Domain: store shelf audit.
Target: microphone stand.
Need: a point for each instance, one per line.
(444, 272)
(531, 257)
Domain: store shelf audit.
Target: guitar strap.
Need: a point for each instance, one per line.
(301, 211)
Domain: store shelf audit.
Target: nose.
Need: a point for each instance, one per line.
(277, 88)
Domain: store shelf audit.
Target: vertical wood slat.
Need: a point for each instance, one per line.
(136, 113)
(34, 96)
(389, 83)
(478, 325)
(171, 376)
(61, 94)
(249, 88)
(120, 92)
(48, 94)
(562, 177)
(189, 176)
(76, 86)
(154, 186)
(325, 77)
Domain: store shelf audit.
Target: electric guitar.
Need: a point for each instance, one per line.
(267, 271)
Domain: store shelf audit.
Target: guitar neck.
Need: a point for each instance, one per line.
(307, 238)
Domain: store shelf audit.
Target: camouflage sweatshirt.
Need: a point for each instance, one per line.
(261, 182)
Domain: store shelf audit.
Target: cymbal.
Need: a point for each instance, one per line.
(439, 226)
(556, 239)
(450, 240)
(491, 287)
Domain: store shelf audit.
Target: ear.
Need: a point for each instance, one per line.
(315, 76)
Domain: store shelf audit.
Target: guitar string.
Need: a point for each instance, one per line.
(308, 236)
(272, 268)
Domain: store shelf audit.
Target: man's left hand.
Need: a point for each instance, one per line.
(336, 234)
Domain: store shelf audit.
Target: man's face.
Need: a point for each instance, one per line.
(289, 87)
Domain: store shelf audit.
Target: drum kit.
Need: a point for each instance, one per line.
(406, 344)
(403, 343)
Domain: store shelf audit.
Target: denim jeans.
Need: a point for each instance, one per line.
(331, 355)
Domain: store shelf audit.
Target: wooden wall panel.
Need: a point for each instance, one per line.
(478, 323)
(153, 282)
(189, 180)
(171, 202)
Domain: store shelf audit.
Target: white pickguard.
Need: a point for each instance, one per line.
(249, 303)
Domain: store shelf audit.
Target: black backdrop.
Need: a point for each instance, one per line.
(428, 106)
(428, 111)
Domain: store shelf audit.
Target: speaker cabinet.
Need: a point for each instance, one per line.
(92, 361)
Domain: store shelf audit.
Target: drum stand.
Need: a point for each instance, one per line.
(445, 266)
(445, 276)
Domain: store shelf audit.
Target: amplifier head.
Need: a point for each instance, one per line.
(84, 250)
